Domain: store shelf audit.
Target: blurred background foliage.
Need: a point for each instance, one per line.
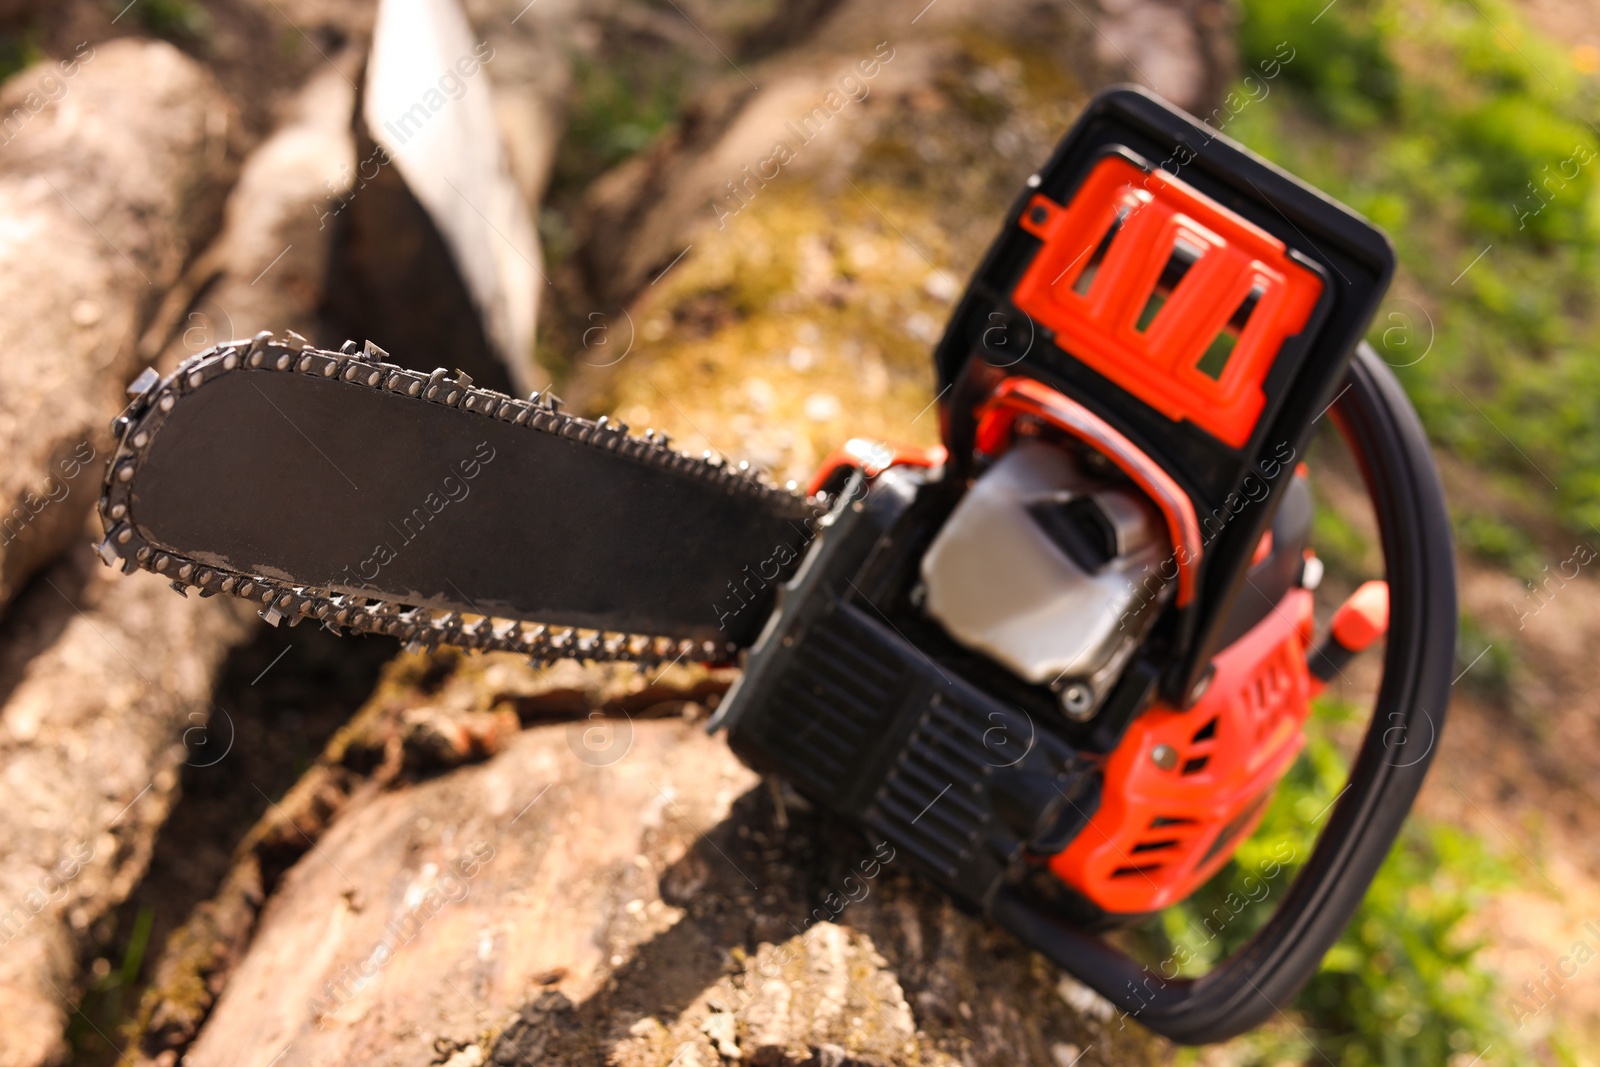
(1470, 139)
(1464, 134)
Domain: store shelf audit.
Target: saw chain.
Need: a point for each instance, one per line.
(418, 627)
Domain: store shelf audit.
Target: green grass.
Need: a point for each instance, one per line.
(1470, 140)
(1341, 545)
(175, 19)
(103, 999)
(619, 106)
(18, 50)
(1493, 539)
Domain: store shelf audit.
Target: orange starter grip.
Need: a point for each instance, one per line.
(1363, 618)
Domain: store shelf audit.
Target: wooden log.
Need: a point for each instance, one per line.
(268, 267)
(722, 154)
(150, 681)
(113, 166)
(103, 681)
(427, 715)
(443, 247)
(821, 98)
(532, 76)
(1183, 49)
(622, 890)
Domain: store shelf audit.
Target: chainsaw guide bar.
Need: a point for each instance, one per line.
(266, 470)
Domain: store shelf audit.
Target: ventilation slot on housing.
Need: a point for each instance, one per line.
(1215, 361)
(1090, 269)
(1195, 765)
(1162, 821)
(1156, 846)
(1141, 870)
(1206, 732)
(1184, 255)
(832, 720)
(920, 803)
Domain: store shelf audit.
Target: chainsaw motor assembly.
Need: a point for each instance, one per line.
(1050, 569)
(1063, 662)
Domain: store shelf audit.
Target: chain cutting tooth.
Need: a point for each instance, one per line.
(257, 353)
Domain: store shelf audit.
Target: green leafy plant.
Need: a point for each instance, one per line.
(1492, 538)
(17, 51)
(1344, 66)
(1485, 664)
(172, 18)
(103, 999)
(619, 106)
(1402, 986)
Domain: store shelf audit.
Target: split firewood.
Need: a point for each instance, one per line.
(268, 267)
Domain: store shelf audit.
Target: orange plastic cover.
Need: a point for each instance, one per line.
(873, 458)
(1185, 787)
(1172, 296)
(1363, 618)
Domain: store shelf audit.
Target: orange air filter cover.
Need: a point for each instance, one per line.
(1175, 298)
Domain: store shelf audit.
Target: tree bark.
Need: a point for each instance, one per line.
(268, 267)
(621, 890)
(113, 167)
(105, 680)
(1183, 49)
(108, 680)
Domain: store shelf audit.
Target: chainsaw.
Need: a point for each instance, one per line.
(1059, 662)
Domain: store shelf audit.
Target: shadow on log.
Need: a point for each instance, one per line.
(634, 904)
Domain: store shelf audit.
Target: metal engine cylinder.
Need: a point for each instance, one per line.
(1050, 569)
